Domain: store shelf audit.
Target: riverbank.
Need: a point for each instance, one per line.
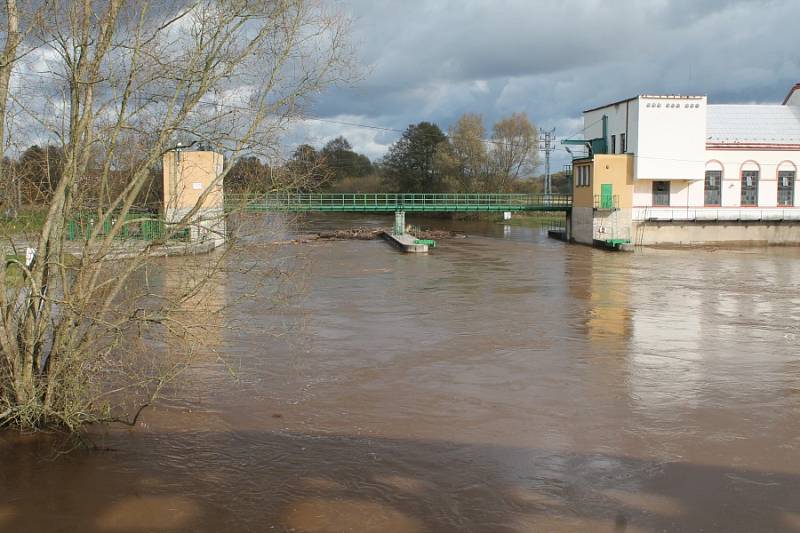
(535, 220)
(119, 250)
(28, 220)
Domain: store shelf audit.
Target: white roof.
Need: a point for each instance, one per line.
(768, 124)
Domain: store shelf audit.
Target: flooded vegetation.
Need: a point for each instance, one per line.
(505, 382)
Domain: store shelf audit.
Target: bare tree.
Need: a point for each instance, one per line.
(514, 150)
(125, 82)
(7, 61)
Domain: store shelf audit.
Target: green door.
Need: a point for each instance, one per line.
(606, 195)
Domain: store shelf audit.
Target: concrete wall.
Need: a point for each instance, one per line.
(671, 138)
(585, 225)
(609, 225)
(582, 224)
(187, 174)
(654, 233)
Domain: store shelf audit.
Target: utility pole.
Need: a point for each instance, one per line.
(547, 143)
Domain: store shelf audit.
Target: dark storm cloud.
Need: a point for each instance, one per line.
(436, 59)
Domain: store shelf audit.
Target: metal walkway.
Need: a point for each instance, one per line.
(399, 202)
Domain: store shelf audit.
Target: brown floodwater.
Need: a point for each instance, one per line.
(504, 382)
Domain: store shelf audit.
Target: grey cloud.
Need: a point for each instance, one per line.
(434, 60)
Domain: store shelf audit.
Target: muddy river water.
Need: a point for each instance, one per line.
(504, 382)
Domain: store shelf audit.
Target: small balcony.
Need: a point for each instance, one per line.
(602, 202)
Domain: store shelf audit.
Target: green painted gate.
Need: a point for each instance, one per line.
(606, 196)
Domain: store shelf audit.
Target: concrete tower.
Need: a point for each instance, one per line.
(189, 176)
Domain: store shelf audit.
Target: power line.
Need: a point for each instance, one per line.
(547, 143)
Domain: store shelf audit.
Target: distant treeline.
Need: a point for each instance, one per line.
(424, 159)
(31, 179)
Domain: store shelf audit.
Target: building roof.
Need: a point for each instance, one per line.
(663, 96)
(791, 92)
(609, 105)
(753, 124)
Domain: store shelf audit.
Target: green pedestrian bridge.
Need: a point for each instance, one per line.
(149, 226)
(398, 202)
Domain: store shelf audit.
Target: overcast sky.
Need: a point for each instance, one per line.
(437, 59)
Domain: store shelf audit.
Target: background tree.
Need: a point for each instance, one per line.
(308, 166)
(249, 174)
(514, 152)
(151, 197)
(343, 162)
(409, 164)
(467, 139)
(39, 171)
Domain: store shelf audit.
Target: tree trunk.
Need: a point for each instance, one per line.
(7, 61)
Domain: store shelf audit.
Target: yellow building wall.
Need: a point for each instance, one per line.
(187, 174)
(581, 196)
(614, 169)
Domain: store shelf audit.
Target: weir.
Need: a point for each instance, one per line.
(406, 242)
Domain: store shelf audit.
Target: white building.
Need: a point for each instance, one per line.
(678, 170)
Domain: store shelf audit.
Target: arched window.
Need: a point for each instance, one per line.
(713, 184)
(787, 176)
(750, 173)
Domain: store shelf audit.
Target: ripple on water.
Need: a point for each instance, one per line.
(494, 385)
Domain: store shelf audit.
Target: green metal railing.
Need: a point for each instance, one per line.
(605, 202)
(409, 202)
(138, 226)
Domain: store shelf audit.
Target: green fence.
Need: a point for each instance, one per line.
(409, 202)
(137, 226)
(605, 202)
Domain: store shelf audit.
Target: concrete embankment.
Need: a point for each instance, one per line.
(407, 243)
(121, 250)
(561, 235)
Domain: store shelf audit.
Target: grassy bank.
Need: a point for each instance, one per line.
(28, 220)
(535, 219)
(13, 271)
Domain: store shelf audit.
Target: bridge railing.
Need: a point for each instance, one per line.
(136, 226)
(399, 202)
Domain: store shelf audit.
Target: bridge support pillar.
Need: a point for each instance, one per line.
(399, 222)
(568, 225)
